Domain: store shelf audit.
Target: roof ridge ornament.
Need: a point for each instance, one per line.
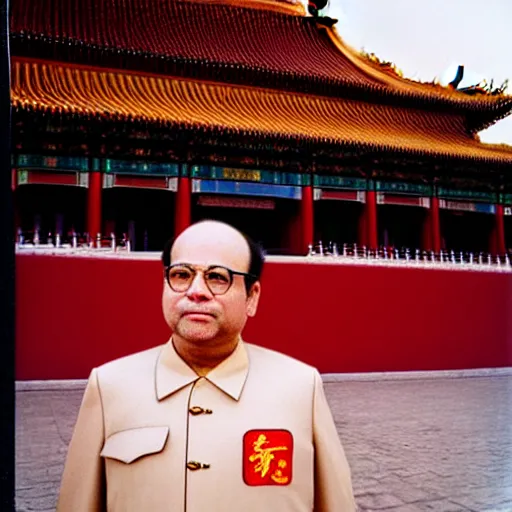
(486, 89)
(483, 87)
(315, 8)
(385, 65)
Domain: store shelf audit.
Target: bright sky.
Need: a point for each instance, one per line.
(428, 39)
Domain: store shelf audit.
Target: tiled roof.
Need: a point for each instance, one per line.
(192, 104)
(265, 41)
(202, 31)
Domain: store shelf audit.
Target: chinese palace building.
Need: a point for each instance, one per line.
(142, 116)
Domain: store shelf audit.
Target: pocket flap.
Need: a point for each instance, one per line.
(130, 445)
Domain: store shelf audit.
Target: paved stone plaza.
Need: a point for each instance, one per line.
(442, 445)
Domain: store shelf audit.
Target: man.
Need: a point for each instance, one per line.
(206, 422)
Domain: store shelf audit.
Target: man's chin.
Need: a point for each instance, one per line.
(197, 334)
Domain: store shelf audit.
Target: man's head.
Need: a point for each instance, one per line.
(211, 286)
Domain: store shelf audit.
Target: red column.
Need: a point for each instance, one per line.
(307, 217)
(371, 219)
(435, 223)
(94, 204)
(499, 231)
(183, 205)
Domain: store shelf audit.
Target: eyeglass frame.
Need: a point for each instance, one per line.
(249, 279)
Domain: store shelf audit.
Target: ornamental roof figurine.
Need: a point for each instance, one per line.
(315, 8)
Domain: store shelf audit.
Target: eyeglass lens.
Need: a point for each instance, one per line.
(217, 279)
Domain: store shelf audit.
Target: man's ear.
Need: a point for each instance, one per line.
(253, 299)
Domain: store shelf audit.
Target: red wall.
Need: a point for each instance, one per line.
(75, 313)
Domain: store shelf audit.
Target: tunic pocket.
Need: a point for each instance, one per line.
(130, 445)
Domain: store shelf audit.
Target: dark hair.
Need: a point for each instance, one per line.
(256, 261)
(256, 258)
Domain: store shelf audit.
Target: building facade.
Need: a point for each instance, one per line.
(141, 117)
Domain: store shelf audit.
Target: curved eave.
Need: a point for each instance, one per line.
(292, 7)
(490, 108)
(242, 110)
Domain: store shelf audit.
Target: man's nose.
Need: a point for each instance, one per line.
(198, 287)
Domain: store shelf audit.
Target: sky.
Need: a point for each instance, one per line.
(429, 39)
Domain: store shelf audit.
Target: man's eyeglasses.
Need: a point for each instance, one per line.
(218, 279)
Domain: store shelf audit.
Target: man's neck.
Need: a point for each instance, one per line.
(203, 358)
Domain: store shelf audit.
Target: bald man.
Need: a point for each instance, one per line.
(206, 422)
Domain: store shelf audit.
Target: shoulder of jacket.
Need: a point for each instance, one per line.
(267, 356)
(130, 365)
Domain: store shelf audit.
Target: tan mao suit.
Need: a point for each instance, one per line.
(255, 435)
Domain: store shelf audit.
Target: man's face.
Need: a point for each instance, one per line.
(197, 315)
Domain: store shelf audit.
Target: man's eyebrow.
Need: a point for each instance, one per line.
(193, 265)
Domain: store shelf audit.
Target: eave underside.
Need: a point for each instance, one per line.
(195, 106)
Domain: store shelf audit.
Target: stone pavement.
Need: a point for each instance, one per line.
(442, 445)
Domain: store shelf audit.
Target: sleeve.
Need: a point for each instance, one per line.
(83, 480)
(333, 483)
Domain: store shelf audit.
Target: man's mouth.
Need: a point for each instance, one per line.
(198, 314)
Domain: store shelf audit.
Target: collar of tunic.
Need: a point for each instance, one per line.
(172, 372)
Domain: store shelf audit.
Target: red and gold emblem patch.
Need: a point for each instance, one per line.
(268, 456)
